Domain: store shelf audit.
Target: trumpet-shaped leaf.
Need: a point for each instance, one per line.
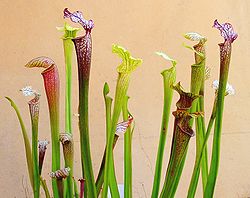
(129, 63)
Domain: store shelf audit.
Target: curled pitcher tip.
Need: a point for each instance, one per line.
(226, 31)
(229, 88)
(77, 17)
(65, 138)
(186, 98)
(42, 144)
(41, 61)
(60, 174)
(194, 36)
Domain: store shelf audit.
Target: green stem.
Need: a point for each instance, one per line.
(169, 77)
(127, 153)
(123, 80)
(76, 193)
(26, 142)
(200, 122)
(68, 49)
(69, 33)
(197, 77)
(100, 177)
(45, 187)
(197, 87)
(112, 179)
(65, 190)
(196, 171)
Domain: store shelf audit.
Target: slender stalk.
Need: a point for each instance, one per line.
(169, 77)
(69, 33)
(34, 115)
(225, 54)
(108, 104)
(195, 175)
(111, 179)
(45, 187)
(68, 45)
(127, 153)
(65, 189)
(26, 142)
(128, 65)
(100, 177)
(76, 192)
(200, 124)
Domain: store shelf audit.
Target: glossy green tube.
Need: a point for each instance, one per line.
(169, 77)
(128, 65)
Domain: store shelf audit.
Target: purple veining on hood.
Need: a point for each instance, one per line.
(226, 30)
(77, 17)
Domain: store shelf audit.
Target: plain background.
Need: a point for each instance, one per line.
(28, 30)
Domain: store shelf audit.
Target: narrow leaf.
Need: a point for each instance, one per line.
(26, 141)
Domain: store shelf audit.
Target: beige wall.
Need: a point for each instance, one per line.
(28, 30)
